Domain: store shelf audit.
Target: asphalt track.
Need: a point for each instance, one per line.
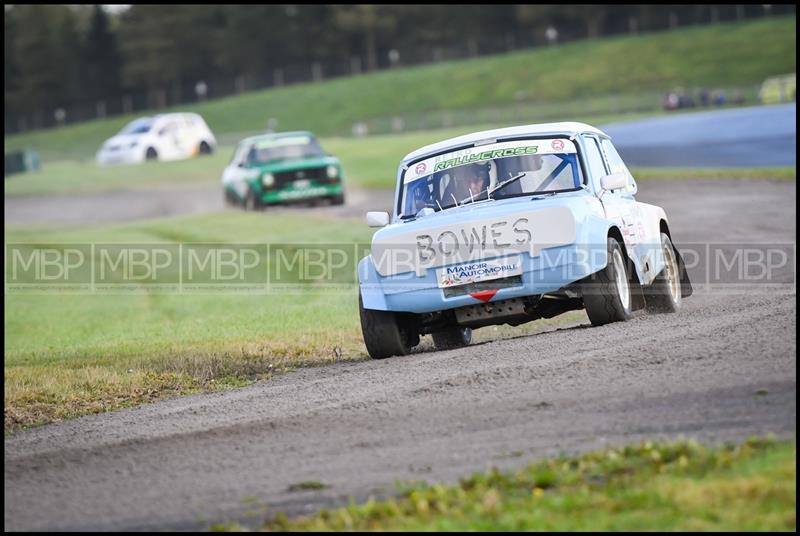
(722, 368)
(744, 137)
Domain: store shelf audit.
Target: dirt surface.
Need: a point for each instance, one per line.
(132, 205)
(722, 368)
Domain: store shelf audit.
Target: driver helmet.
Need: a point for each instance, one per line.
(421, 194)
(478, 170)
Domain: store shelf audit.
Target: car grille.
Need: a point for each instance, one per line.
(463, 290)
(314, 174)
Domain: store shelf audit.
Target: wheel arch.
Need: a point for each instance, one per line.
(664, 227)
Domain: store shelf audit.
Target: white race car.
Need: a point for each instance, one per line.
(172, 136)
(508, 226)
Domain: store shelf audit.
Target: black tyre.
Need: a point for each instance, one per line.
(337, 200)
(205, 148)
(607, 293)
(384, 336)
(251, 202)
(664, 294)
(151, 154)
(455, 337)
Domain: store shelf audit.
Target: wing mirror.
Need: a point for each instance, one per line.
(614, 181)
(377, 219)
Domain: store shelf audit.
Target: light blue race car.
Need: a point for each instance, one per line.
(510, 225)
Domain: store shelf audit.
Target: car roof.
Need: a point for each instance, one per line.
(172, 114)
(568, 128)
(276, 135)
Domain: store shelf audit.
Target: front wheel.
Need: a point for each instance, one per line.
(607, 293)
(251, 202)
(384, 333)
(664, 295)
(455, 337)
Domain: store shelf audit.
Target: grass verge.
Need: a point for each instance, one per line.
(788, 173)
(675, 486)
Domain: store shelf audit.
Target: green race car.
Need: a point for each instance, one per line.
(281, 168)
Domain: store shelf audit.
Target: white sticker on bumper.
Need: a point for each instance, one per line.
(473, 272)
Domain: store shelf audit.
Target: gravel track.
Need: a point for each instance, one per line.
(721, 369)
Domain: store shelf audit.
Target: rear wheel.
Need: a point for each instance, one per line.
(205, 148)
(664, 295)
(455, 337)
(607, 293)
(384, 333)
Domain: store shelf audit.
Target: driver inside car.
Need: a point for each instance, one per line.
(422, 196)
(477, 180)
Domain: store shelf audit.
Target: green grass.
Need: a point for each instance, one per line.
(69, 354)
(788, 173)
(678, 486)
(74, 176)
(589, 71)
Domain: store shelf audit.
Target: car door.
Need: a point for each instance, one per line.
(620, 205)
(169, 136)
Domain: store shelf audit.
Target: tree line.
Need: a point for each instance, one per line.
(60, 58)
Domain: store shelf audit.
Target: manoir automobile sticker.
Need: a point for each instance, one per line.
(473, 272)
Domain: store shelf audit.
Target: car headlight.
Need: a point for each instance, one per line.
(333, 172)
(268, 179)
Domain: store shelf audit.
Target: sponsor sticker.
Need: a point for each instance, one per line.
(487, 152)
(473, 272)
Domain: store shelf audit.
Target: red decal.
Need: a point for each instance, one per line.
(557, 145)
(420, 168)
(484, 295)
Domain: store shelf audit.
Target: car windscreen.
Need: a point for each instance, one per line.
(496, 171)
(289, 148)
(139, 126)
